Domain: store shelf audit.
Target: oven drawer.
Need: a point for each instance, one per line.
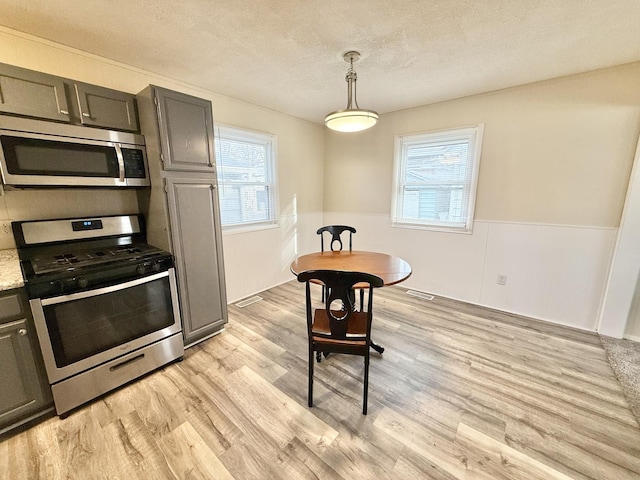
(75, 391)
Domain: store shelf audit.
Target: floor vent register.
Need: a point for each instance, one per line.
(422, 295)
(248, 301)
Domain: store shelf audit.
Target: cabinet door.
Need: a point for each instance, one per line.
(21, 393)
(103, 107)
(197, 246)
(33, 94)
(186, 131)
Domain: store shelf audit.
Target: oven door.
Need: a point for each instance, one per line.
(85, 329)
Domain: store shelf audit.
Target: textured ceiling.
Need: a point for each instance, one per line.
(287, 54)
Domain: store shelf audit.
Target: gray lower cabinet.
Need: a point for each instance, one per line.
(193, 203)
(34, 94)
(181, 207)
(24, 391)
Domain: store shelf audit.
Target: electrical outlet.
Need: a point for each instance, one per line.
(501, 280)
(5, 228)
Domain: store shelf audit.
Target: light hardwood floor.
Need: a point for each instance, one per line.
(461, 392)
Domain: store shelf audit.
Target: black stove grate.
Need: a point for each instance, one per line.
(74, 260)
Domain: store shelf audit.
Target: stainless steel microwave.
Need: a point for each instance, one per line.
(39, 153)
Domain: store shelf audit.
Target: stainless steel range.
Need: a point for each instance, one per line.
(105, 303)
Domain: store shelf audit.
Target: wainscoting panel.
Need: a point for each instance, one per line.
(553, 272)
(260, 259)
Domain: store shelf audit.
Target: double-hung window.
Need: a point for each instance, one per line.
(435, 179)
(246, 167)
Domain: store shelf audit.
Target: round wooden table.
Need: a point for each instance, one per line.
(390, 269)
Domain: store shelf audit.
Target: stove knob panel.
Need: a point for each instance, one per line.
(82, 282)
(140, 269)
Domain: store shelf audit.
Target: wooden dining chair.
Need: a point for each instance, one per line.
(336, 236)
(336, 232)
(338, 327)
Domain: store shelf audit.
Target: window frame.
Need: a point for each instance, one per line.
(473, 136)
(243, 135)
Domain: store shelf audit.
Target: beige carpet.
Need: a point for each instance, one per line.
(624, 356)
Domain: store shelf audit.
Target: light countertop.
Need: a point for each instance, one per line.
(10, 273)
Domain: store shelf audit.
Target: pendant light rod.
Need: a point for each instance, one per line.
(351, 78)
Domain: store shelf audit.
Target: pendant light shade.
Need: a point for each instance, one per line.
(351, 119)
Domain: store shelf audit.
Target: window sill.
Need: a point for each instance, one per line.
(248, 228)
(433, 228)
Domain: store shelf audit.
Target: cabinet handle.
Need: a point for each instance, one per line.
(85, 114)
(22, 332)
(64, 112)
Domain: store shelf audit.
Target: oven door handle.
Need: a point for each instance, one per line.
(102, 291)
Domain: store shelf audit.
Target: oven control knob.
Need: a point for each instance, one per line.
(140, 269)
(82, 282)
(58, 286)
(155, 266)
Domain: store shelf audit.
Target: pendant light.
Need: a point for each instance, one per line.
(351, 119)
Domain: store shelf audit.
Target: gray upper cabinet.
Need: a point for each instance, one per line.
(33, 94)
(186, 128)
(25, 391)
(103, 107)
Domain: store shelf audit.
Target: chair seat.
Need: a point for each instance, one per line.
(357, 329)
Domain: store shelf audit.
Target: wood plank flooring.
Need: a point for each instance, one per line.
(461, 392)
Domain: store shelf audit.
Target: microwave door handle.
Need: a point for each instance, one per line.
(120, 158)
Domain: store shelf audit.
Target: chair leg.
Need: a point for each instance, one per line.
(366, 384)
(310, 394)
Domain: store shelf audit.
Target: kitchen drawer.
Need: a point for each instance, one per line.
(10, 307)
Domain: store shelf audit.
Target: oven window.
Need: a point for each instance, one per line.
(30, 156)
(81, 328)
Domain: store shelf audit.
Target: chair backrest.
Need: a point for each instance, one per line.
(339, 305)
(336, 232)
